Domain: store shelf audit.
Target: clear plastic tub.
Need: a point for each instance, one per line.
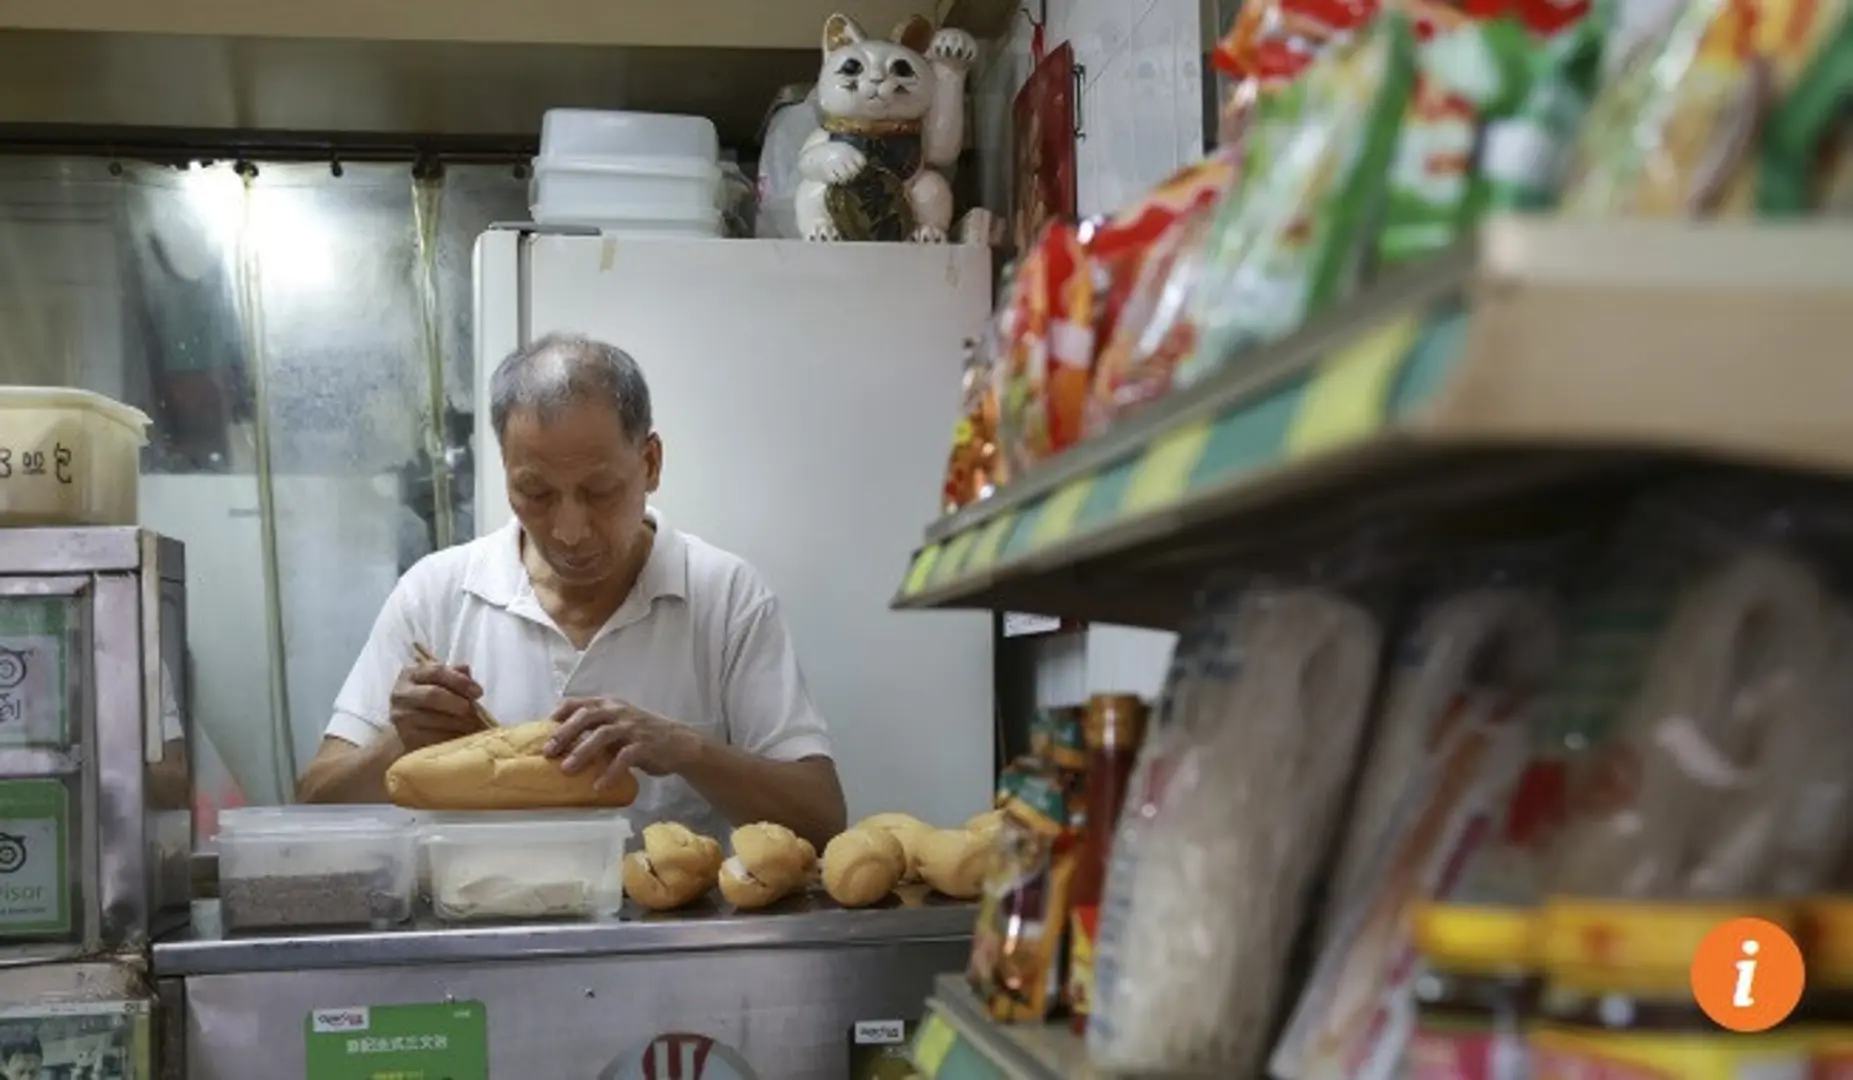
(626, 187)
(525, 865)
(315, 866)
(68, 457)
(603, 133)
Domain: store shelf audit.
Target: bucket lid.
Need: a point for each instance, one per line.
(70, 397)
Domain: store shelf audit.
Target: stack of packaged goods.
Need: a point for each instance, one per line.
(1032, 954)
(1370, 134)
(1534, 782)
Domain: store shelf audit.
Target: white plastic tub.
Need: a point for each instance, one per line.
(603, 133)
(626, 187)
(68, 457)
(301, 866)
(525, 865)
(708, 225)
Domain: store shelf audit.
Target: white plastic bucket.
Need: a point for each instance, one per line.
(625, 187)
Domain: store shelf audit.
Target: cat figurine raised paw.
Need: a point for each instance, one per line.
(893, 117)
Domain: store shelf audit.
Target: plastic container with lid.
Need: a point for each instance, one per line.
(1477, 993)
(315, 866)
(1618, 996)
(525, 864)
(671, 188)
(68, 457)
(611, 133)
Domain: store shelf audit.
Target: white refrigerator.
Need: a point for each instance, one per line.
(805, 395)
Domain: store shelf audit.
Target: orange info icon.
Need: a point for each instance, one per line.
(1748, 975)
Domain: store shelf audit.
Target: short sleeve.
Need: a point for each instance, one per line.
(363, 706)
(769, 711)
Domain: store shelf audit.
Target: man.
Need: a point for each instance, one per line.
(656, 652)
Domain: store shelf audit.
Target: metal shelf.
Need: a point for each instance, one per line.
(1543, 353)
(959, 1042)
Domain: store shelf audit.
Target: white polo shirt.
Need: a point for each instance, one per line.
(699, 640)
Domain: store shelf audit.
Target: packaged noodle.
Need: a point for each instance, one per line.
(1674, 128)
(1151, 334)
(1453, 738)
(1290, 241)
(1017, 965)
(1234, 798)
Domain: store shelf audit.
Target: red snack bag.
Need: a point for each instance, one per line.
(1046, 350)
(1273, 40)
(1144, 324)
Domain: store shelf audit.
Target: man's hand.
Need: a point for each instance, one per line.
(434, 704)
(622, 736)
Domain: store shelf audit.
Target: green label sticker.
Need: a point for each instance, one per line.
(932, 1044)
(1348, 394)
(1163, 473)
(111, 1039)
(953, 560)
(1057, 517)
(991, 542)
(35, 881)
(33, 683)
(921, 569)
(446, 1041)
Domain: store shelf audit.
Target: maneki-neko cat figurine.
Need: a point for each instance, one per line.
(893, 118)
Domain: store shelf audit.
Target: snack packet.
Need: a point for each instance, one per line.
(1017, 953)
(1288, 243)
(1472, 63)
(1275, 40)
(1047, 351)
(1148, 335)
(974, 465)
(1806, 164)
(1674, 129)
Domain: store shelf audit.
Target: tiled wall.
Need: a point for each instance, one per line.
(1141, 98)
(1142, 111)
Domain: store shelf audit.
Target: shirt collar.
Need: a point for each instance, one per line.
(497, 575)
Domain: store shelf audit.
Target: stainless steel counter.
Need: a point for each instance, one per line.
(809, 921)
(763, 996)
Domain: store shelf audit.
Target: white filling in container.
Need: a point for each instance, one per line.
(525, 865)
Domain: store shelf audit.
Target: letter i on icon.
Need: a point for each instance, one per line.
(1746, 976)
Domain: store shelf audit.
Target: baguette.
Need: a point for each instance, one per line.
(953, 861)
(500, 769)
(862, 866)
(908, 830)
(769, 863)
(675, 868)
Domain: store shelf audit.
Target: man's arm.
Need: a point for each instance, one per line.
(804, 796)
(776, 765)
(345, 773)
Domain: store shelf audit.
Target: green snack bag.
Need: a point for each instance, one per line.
(1807, 161)
(1467, 70)
(1290, 242)
(1523, 155)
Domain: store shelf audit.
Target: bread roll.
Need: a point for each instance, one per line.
(675, 868)
(987, 824)
(499, 769)
(953, 861)
(770, 862)
(908, 830)
(862, 866)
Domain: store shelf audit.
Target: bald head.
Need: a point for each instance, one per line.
(563, 370)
